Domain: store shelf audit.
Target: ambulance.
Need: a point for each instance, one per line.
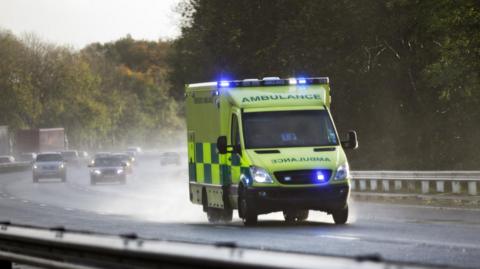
(266, 145)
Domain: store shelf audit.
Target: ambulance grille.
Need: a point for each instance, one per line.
(302, 176)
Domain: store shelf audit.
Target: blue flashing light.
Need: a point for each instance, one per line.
(302, 81)
(224, 83)
(320, 176)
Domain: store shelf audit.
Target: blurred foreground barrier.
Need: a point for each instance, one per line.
(422, 182)
(13, 167)
(60, 248)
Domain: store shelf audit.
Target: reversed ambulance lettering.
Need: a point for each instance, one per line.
(259, 98)
(301, 159)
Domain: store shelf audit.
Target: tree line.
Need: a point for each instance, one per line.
(104, 95)
(405, 73)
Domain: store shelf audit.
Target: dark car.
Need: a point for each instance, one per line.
(127, 159)
(108, 169)
(170, 158)
(71, 157)
(27, 157)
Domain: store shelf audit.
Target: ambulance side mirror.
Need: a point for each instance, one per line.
(222, 144)
(351, 142)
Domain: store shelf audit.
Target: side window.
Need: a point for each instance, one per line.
(235, 135)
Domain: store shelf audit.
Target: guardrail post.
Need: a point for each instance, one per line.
(472, 188)
(373, 184)
(440, 186)
(425, 186)
(386, 185)
(398, 185)
(353, 184)
(363, 184)
(456, 187)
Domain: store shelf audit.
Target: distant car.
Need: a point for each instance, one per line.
(133, 156)
(99, 155)
(170, 158)
(109, 168)
(27, 157)
(71, 157)
(7, 159)
(127, 159)
(49, 165)
(135, 149)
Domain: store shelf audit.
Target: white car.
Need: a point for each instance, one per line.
(7, 159)
(49, 165)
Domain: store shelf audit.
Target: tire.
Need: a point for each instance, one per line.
(292, 216)
(340, 216)
(35, 179)
(92, 181)
(64, 178)
(246, 211)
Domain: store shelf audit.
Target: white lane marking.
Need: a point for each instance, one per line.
(68, 209)
(25, 201)
(11, 198)
(341, 237)
(42, 205)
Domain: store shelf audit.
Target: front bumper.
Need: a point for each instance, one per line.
(326, 198)
(108, 178)
(49, 173)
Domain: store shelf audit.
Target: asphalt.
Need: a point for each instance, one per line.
(154, 204)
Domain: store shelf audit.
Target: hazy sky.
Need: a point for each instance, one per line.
(80, 22)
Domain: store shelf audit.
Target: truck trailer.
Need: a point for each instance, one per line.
(262, 146)
(39, 140)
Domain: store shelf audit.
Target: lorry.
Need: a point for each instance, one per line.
(5, 143)
(266, 145)
(40, 140)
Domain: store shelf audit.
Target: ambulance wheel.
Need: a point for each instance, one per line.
(340, 216)
(246, 211)
(292, 216)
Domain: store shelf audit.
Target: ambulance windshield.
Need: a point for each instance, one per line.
(303, 128)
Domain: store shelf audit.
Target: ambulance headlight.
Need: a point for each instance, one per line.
(343, 172)
(260, 175)
(97, 172)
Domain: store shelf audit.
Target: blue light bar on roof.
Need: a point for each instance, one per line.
(272, 82)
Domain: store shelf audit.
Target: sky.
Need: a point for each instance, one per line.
(77, 23)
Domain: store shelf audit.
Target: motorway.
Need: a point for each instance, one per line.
(154, 204)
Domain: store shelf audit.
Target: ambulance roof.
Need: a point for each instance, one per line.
(270, 92)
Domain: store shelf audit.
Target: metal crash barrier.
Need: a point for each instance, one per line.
(419, 182)
(61, 248)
